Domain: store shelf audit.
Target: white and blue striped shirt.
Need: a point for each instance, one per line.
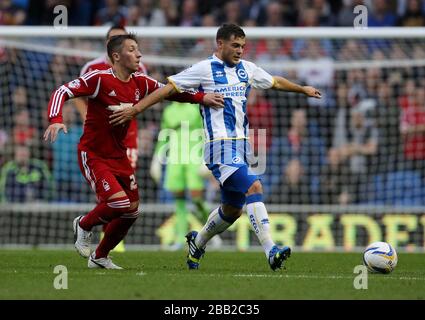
(226, 130)
(234, 83)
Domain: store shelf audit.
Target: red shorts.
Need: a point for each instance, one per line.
(108, 176)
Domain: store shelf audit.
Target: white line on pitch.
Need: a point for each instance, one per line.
(302, 276)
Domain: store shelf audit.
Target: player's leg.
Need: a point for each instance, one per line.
(132, 157)
(116, 231)
(259, 219)
(175, 182)
(118, 227)
(112, 200)
(220, 218)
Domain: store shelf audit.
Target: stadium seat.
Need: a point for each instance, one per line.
(404, 187)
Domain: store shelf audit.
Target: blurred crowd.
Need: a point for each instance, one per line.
(272, 13)
(363, 143)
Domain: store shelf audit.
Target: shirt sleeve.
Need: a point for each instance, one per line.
(86, 85)
(147, 84)
(261, 79)
(188, 79)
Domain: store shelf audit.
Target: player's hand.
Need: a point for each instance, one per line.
(312, 92)
(53, 130)
(122, 116)
(214, 100)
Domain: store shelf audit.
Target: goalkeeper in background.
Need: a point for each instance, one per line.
(180, 144)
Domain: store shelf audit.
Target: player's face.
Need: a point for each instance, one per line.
(130, 55)
(231, 50)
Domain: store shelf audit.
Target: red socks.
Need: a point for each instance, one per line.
(115, 231)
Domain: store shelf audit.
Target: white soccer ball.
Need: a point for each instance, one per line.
(380, 257)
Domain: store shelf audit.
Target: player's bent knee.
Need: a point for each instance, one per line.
(119, 204)
(255, 188)
(231, 211)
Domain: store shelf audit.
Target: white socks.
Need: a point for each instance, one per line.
(215, 225)
(259, 219)
(257, 215)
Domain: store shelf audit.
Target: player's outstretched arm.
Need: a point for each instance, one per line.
(283, 84)
(122, 116)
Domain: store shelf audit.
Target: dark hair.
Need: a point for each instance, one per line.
(227, 30)
(116, 42)
(115, 27)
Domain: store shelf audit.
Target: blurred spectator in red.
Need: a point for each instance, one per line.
(260, 115)
(23, 132)
(412, 126)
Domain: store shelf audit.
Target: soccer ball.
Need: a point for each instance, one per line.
(380, 257)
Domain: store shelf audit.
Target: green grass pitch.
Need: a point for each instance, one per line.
(28, 274)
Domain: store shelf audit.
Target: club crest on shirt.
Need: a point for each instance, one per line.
(236, 160)
(74, 84)
(137, 95)
(242, 74)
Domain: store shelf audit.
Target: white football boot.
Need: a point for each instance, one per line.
(82, 238)
(103, 263)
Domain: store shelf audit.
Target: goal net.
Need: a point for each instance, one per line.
(338, 173)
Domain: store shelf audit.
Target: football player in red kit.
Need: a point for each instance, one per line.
(131, 140)
(101, 151)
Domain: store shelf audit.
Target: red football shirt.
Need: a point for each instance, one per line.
(102, 63)
(104, 90)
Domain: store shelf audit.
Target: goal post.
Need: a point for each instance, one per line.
(341, 172)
